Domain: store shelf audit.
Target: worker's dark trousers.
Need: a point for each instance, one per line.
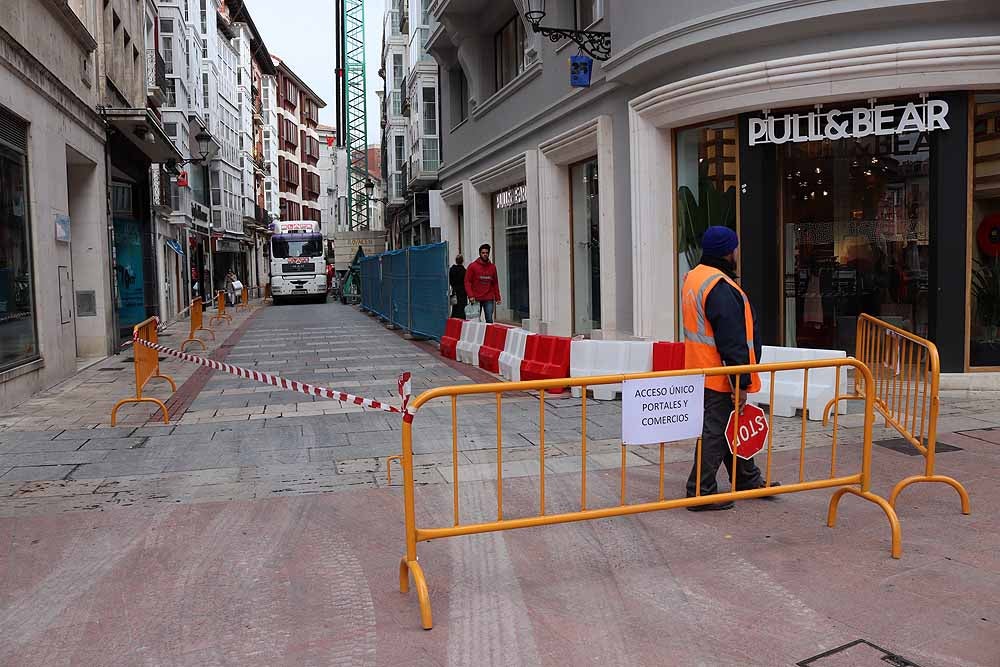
(715, 450)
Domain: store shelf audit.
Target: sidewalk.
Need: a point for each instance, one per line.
(253, 529)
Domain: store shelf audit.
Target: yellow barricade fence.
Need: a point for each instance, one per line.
(221, 314)
(147, 367)
(906, 372)
(197, 319)
(244, 300)
(856, 482)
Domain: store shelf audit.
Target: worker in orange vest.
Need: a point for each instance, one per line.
(719, 330)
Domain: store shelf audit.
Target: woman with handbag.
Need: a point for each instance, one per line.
(456, 278)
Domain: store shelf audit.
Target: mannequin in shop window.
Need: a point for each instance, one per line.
(812, 314)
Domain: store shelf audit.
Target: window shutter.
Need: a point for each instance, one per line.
(13, 131)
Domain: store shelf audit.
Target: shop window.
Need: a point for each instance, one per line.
(706, 188)
(586, 248)
(984, 330)
(508, 52)
(510, 252)
(18, 333)
(854, 235)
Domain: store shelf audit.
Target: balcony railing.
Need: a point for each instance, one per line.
(156, 75)
(160, 187)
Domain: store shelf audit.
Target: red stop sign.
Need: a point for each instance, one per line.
(750, 430)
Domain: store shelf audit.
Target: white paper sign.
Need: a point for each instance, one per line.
(662, 409)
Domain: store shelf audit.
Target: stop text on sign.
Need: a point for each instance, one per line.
(747, 432)
(662, 409)
(879, 120)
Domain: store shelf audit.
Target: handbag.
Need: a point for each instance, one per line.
(472, 311)
(452, 299)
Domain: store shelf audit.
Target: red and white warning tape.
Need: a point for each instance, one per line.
(292, 385)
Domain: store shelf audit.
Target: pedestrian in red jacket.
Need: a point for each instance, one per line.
(481, 283)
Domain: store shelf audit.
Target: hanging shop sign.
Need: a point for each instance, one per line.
(512, 196)
(199, 212)
(878, 120)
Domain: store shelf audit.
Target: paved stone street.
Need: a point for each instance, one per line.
(254, 530)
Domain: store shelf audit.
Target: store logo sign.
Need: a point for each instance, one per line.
(879, 120)
(511, 196)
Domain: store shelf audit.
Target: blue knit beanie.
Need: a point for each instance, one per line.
(719, 241)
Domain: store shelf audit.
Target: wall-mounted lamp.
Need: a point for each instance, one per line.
(595, 43)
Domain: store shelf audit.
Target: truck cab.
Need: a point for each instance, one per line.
(298, 266)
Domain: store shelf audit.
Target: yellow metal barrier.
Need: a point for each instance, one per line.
(147, 367)
(906, 372)
(197, 319)
(244, 300)
(221, 314)
(857, 483)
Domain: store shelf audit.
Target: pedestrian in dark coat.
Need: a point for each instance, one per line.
(456, 278)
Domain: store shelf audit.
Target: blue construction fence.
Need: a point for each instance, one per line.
(408, 288)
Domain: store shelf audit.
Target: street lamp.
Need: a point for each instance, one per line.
(205, 151)
(595, 43)
(369, 187)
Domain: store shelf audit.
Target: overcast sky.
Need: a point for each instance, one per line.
(301, 33)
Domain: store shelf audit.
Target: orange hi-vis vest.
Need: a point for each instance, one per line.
(699, 339)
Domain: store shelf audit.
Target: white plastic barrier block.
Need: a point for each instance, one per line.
(467, 349)
(788, 384)
(513, 354)
(608, 357)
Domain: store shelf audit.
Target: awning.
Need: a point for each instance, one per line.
(175, 246)
(144, 131)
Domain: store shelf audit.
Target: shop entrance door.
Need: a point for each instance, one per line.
(586, 248)
(854, 216)
(510, 252)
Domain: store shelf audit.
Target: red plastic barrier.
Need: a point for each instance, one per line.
(546, 358)
(452, 332)
(489, 353)
(668, 356)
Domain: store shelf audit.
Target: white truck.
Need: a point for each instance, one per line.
(298, 266)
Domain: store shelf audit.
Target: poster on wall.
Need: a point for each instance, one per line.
(128, 272)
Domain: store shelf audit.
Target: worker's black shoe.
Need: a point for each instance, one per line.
(770, 485)
(712, 507)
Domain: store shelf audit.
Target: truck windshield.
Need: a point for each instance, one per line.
(284, 246)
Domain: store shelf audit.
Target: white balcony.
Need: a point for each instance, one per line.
(425, 161)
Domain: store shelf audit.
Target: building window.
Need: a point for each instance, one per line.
(588, 12)
(431, 154)
(18, 333)
(399, 152)
(170, 129)
(204, 89)
(171, 93)
(459, 95)
(508, 52)
(168, 54)
(430, 111)
(854, 219)
(706, 188)
(984, 341)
